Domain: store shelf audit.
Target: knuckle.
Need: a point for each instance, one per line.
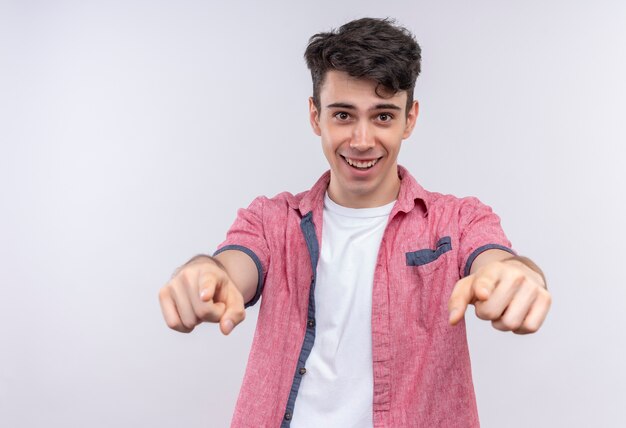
(183, 329)
(218, 278)
(518, 277)
(239, 315)
(208, 266)
(206, 314)
(498, 326)
(510, 323)
(209, 278)
(487, 276)
(185, 276)
(530, 326)
(484, 282)
(548, 297)
(486, 312)
(529, 289)
(202, 311)
(189, 323)
(164, 292)
(174, 325)
(534, 293)
(480, 314)
(178, 326)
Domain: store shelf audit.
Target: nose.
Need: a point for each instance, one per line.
(362, 138)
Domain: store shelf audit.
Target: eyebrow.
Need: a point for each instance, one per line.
(376, 107)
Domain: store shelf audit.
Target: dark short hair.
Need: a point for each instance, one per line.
(368, 48)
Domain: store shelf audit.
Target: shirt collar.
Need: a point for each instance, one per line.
(410, 193)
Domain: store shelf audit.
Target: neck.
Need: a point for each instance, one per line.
(364, 197)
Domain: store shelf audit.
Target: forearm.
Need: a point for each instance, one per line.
(242, 271)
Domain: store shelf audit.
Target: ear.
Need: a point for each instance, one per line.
(314, 117)
(410, 120)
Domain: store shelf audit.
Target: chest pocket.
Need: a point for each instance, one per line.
(428, 255)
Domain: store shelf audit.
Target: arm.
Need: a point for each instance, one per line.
(242, 270)
(509, 291)
(211, 289)
(214, 289)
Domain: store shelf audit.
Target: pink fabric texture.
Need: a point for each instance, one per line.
(421, 365)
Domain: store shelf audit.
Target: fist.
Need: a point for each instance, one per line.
(201, 291)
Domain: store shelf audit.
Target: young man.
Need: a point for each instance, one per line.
(366, 277)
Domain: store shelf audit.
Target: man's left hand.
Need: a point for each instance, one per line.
(507, 292)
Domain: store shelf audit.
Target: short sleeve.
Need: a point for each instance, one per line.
(247, 235)
(480, 230)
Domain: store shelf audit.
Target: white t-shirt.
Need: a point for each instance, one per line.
(337, 389)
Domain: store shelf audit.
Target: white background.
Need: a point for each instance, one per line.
(130, 132)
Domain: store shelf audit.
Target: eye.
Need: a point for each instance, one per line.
(342, 116)
(385, 117)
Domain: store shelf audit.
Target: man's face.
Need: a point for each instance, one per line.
(361, 137)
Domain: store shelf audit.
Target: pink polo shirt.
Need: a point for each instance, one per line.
(421, 365)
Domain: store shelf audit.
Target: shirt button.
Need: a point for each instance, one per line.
(311, 323)
(302, 370)
(288, 416)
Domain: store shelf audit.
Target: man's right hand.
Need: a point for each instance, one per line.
(200, 291)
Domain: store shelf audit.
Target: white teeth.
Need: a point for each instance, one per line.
(359, 164)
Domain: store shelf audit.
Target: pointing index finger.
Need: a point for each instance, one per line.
(484, 283)
(208, 284)
(462, 295)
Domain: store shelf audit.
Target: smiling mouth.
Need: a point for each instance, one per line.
(361, 165)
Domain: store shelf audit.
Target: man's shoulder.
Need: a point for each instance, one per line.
(281, 202)
(411, 190)
(302, 202)
(439, 202)
(446, 199)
